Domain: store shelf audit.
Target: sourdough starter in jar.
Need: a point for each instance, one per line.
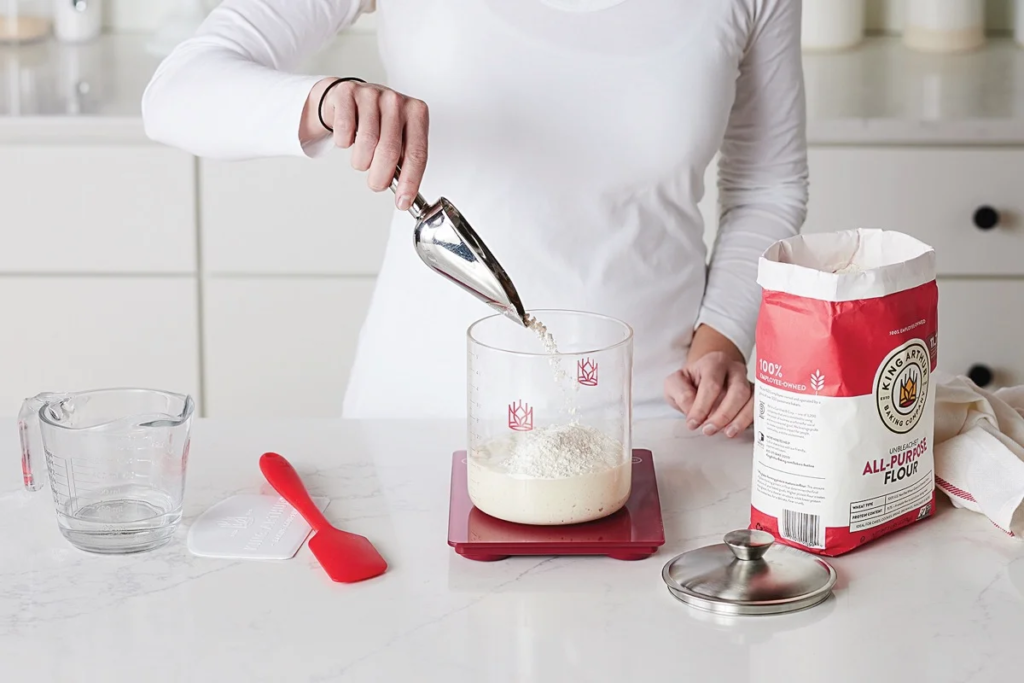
(569, 469)
(563, 474)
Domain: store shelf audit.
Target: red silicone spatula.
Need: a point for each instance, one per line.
(345, 557)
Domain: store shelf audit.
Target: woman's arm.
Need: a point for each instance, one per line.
(762, 172)
(763, 192)
(226, 92)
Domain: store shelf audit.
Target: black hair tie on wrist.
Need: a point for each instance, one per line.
(320, 109)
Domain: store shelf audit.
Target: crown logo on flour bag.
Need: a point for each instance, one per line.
(901, 388)
(838, 463)
(908, 393)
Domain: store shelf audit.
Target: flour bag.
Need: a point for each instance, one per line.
(844, 407)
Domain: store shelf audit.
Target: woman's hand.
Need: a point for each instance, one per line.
(712, 389)
(384, 129)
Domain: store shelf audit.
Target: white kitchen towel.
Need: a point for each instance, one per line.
(979, 450)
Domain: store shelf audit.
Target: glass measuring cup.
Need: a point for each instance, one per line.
(549, 423)
(116, 461)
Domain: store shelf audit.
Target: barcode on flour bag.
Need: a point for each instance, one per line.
(843, 400)
(802, 528)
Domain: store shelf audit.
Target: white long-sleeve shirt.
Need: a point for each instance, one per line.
(573, 135)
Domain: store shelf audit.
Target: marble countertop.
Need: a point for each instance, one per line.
(941, 601)
(879, 93)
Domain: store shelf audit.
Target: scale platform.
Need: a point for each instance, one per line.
(633, 533)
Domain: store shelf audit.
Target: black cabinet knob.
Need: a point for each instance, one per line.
(986, 218)
(980, 375)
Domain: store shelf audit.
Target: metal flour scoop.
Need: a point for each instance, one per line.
(447, 243)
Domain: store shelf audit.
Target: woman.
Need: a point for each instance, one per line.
(574, 135)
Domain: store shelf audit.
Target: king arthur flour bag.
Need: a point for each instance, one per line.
(844, 403)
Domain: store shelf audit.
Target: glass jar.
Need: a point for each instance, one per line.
(24, 21)
(945, 25)
(550, 417)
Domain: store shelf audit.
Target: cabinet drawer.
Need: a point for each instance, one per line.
(980, 325)
(281, 347)
(78, 333)
(292, 216)
(91, 209)
(932, 194)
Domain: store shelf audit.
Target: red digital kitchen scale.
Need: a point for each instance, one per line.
(633, 533)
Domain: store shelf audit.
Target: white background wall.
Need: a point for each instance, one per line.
(884, 15)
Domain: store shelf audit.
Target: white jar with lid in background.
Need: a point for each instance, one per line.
(945, 25)
(76, 21)
(832, 24)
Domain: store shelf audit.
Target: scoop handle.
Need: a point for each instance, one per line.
(286, 481)
(419, 205)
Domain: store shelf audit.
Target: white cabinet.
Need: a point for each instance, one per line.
(74, 333)
(97, 209)
(292, 216)
(980, 324)
(280, 346)
(932, 194)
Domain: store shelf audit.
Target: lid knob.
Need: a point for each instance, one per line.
(749, 544)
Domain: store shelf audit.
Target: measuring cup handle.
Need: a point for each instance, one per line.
(419, 205)
(31, 435)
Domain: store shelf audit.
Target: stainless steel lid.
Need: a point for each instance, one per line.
(748, 574)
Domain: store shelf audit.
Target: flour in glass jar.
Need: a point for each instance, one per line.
(560, 474)
(564, 473)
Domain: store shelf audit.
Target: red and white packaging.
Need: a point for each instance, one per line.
(844, 406)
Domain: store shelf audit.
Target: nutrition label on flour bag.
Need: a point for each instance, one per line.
(844, 402)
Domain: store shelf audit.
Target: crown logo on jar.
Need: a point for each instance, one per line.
(520, 417)
(586, 372)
